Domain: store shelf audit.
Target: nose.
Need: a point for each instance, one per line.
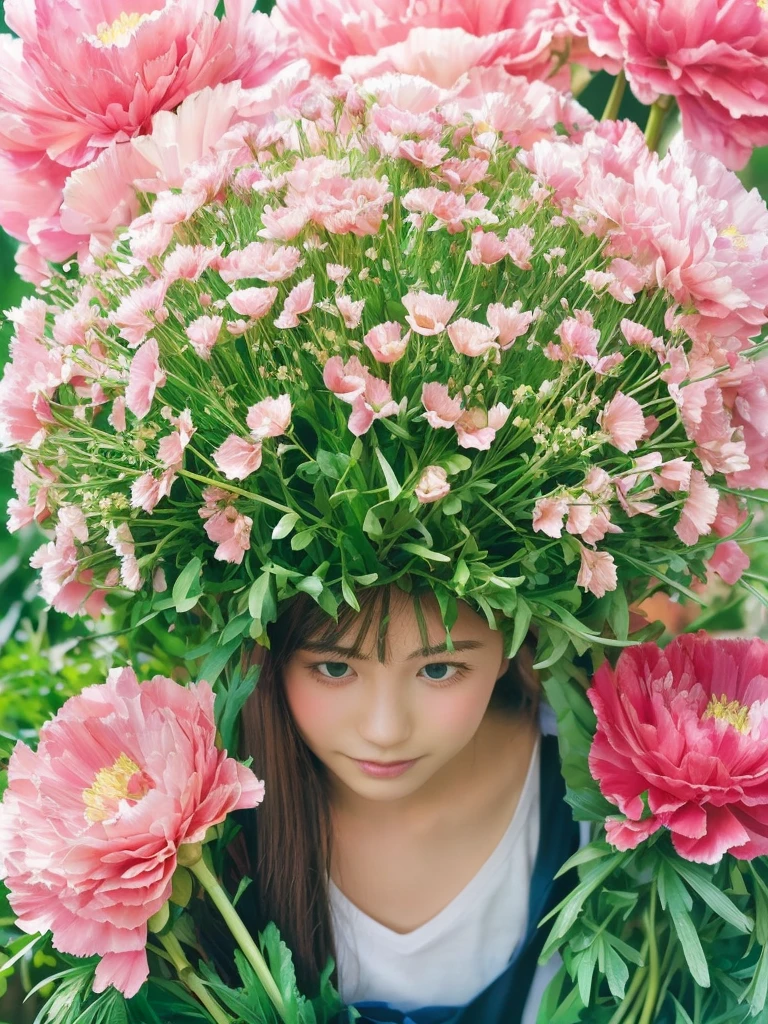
(384, 719)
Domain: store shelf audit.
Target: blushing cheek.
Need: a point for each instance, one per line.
(457, 716)
(317, 712)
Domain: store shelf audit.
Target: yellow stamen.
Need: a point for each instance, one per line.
(729, 711)
(112, 785)
(763, 5)
(120, 29)
(737, 239)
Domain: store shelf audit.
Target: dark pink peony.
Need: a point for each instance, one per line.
(712, 55)
(91, 823)
(688, 725)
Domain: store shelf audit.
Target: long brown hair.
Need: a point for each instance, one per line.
(287, 841)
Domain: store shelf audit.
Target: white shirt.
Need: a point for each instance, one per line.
(459, 952)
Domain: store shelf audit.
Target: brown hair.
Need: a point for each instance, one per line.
(286, 844)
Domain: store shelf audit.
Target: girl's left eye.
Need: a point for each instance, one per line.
(442, 672)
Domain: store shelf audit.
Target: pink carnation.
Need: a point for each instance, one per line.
(225, 525)
(729, 561)
(253, 302)
(578, 339)
(716, 64)
(387, 341)
(351, 311)
(688, 726)
(699, 511)
(346, 380)
(441, 409)
(598, 572)
(487, 248)
(472, 339)
(270, 417)
(509, 322)
(622, 419)
(237, 458)
(203, 333)
(374, 403)
(298, 301)
(145, 376)
(428, 314)
(433, 485)
(477, 428)
(264, 260)
(91, 823)
(548, 516)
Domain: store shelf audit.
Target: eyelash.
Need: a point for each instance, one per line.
(462, 670)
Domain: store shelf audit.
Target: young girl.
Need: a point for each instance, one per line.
(415, 817)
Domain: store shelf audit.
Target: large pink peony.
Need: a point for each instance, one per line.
(710, 54)
(521, 35)
(688, 725)
(91, 823)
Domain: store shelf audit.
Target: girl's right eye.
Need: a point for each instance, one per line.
(335, 669)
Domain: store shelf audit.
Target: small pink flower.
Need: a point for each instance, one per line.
(472, 339)
(598, 572)
(675, 475)
(203, 334)
(346, 380)
(263, 260)
(477, 428)
(578, 339)
(298, 301)
(270, 417)
(170, 449)
(428, 314)
(622, 419)
(441, 409)
(509, 322)
(138, 312)
(189, 262)
(699, 511)
(671, 721)
(486, 249)
(225, 526)
(21, 509)
(110, 777)
(422, 153)
(145, 376)
(729, 561)
(518, 246)
(387, 341)
(253, 302)
(548, 516)
(237, 458)
(282, 223)
(374, 403)
(337, 273)
(636, 334)
(351, 312)
(147, 490)
(433, 485)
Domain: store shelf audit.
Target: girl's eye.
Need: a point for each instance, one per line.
(335, 669)
(441, 672)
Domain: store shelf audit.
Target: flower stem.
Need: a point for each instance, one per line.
(656, 119)
(649, 1007)
(191, 980)
(611, 111)
(213, 887)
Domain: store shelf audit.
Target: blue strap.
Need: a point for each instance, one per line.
(503, 1001)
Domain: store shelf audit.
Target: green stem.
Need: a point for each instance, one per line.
(234, 922)
(656, 119)
(191, 980)
(649, 1006)
(629, 998)
(611, 111)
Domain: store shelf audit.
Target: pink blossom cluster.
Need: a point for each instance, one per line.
(92, 822)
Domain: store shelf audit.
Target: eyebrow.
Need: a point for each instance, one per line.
(424, 652)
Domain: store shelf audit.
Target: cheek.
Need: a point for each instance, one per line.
(456, 714)
(317, 712)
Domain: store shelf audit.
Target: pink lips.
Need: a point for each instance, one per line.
(385, 771)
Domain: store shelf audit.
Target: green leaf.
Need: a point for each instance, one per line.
(230, 701)
(348, 594)
(522, 622)
(394, 487)
(367, 580)
(676, 898)
(681, 1014)
(262, 599)
(586, 970)
(426, 553)
(451, 505)
(558, 650)
(593, 851)
(311, 585)
(243, 885)
(301, 541)
(285, 525)
(372, 525)
(616, 971)
(235, 627)
(618, 614)
(332, 464)
(456, 464)
(757, 993)
(712, 896)
(187, 581)
(215, 663)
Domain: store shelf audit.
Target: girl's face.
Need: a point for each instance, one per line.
(422, 706)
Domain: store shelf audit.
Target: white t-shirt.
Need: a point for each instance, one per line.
(454, 956)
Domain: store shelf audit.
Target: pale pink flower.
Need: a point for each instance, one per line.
(374, 403)
(147, 490)
(716, 67)
(699, 511)
(140, 310)
(22, 510)
(344, 205)
(509, 322)
(111, 767)
(433, 485)
(189, 262)
(270, 417)
(729, 561)
(253, 302)
(346, 380)
(441, 409)
(264, 260)
(170, 449)
(176, 207)
(597, 573)
(145, 376)
(548, 516)
(351, 311)
(337, 273)
(518, 246)
(637, 334)
(731, 513)
(237, 458)
(477, 428)
(298, 301)
(387, 341)
(63, 584)
(578, 339)
(29, 380)
(282, 223)
(423, 153)
(675, 475)
(428, 314)
(487, 248)
(73, 83)
(622, 419)
(203, 333)
(472, 339)
(462, 173)
(225, 525)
